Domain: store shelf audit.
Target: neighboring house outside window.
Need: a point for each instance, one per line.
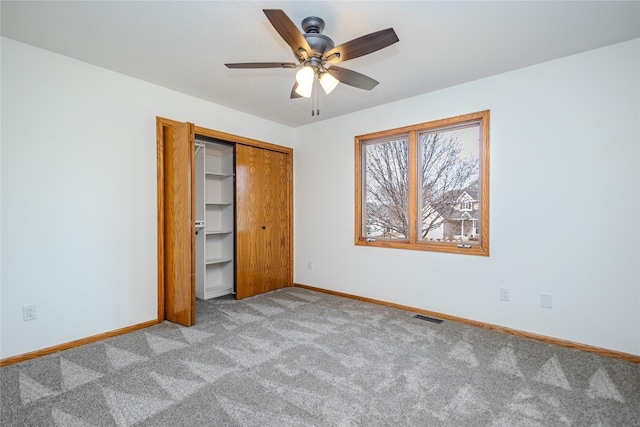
(460, 222)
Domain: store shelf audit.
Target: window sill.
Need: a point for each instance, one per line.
(450, 248)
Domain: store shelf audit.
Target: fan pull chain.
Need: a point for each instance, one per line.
(315, 100)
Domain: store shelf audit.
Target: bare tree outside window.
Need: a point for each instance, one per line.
(449, 166)
(387, 190)
(425, 186)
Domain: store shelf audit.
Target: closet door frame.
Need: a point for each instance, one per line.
(161, 123)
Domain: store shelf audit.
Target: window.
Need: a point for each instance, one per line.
(425, 187)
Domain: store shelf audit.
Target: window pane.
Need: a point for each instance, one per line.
(449, 173)
(386, 213)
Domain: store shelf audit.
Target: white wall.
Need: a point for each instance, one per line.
(79, 193)
(78, 199)
(565, 139)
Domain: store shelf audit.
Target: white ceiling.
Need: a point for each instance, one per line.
(183, 45)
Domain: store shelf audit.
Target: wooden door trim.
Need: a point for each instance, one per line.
(227, 137)
(161, 123)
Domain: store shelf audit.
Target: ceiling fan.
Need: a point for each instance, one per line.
(316, 54)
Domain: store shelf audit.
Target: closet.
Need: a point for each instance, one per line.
(225, 217)
(215, 213)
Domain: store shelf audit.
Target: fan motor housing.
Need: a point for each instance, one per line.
(319, 43)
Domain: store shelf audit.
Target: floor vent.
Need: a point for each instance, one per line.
(428, 319)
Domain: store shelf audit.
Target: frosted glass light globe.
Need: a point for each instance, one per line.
(328, 82)
(304, 76)
(304, 91)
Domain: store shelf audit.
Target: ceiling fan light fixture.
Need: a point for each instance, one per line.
(305, 76)
(328, 82)
(316, 52)
(304, 91)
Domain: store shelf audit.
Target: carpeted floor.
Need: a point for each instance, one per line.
(294, 357)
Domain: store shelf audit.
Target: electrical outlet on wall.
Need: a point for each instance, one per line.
(545, 300)
(29, 312)
(505, 294)
(309, 265)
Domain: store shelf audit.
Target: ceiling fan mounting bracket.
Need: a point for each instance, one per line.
(312, 24)
(302, 54)
(333, 57)
(319, 43)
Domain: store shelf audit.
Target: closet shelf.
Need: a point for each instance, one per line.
(217, 232)
(211, 261)
(217, 175)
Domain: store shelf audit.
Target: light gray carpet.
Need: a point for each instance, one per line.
(294, 357)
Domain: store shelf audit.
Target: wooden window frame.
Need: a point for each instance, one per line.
(413, 242)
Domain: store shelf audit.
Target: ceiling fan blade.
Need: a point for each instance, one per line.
(352, 78)
(262, 65)
(289, 32)
(362, 46)
(295, 94)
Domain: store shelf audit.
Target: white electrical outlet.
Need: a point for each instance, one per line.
(29, 312)
(545, 300)
(310, 265)
(505, 294)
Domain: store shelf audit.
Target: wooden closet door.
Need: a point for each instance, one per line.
(262, 221)
(178, 231)
(277, 220)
